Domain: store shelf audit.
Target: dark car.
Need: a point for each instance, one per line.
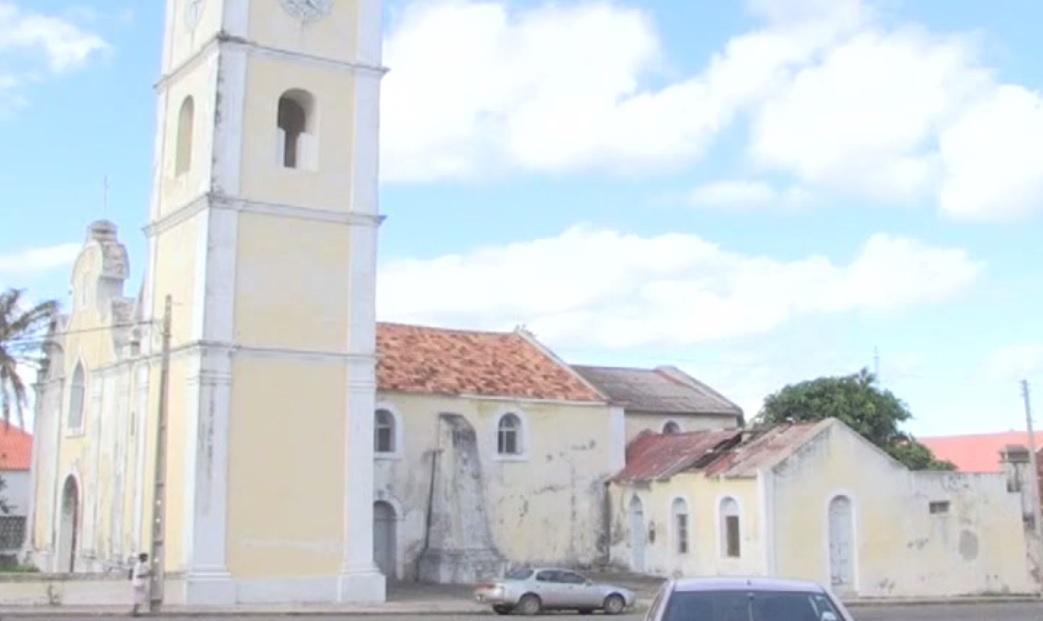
(744, 599)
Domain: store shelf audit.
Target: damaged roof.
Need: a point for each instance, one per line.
(421, 359)
(721, 453)
(653, 456)
(663, 389)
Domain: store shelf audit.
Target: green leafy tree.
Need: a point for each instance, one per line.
(873, 412)
(21, 332)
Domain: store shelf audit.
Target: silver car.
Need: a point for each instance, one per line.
(529, 591)
(744, 599)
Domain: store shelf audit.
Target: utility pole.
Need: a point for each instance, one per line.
(1037, 509)
(159, 494)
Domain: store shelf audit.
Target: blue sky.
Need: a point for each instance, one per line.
(758, 192)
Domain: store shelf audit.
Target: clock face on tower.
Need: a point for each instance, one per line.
(308, 10)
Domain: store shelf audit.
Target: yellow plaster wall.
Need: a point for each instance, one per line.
(636, 422)
(331, 37)
(543, 507)
(179, 190)
(291, 283)
(901, 548)
(174, 275)
(264, 178)
(286, 468)
(705, 543)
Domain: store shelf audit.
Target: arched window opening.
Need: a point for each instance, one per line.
(671, 428)
(508, 436)
(185, 130)
(679, 511)
(76, 389)
(384, 432)
(296, 130)
(731, 533)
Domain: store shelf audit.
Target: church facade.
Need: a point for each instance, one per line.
(262, 238)
(298, 461)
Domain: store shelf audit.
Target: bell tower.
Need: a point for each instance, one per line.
(263, 231)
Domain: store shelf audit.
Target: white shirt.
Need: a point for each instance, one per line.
(141, 573)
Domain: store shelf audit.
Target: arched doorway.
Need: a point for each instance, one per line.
(637, 535)
(68, 523)
(384, 538)
(841, 556)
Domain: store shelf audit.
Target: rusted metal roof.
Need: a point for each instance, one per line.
(662, 390)
(653, 456)
(763, 449)
(421, 359)
(723, 453)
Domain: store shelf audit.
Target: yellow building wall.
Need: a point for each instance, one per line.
(546, 506)
(901, 548)
(332, 37)
(636, 422)
(264, 178)
(291, 284)
(706, 552)
(178, 190)
(286, 468)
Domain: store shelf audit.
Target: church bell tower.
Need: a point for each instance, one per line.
(263, 231)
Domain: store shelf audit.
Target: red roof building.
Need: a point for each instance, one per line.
(16, 449)
(979, 452)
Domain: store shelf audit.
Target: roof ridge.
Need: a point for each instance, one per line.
(445, 329)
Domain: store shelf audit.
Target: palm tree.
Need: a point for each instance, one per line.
(21, 337)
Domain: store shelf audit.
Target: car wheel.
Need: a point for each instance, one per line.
(529, 604)
(502, 609)
(614, 604)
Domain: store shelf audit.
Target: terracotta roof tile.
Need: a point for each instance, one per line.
(441, 361)
(16, 448)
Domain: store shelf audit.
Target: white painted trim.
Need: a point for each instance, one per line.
(618, 433)
(766, 486)
(523, 435)
(176, 216)
(229, 105)
(671, 529)
(237, 18)
(63, 419)
(827, 580)
(397, 431)
(221, 41)
(722, 536)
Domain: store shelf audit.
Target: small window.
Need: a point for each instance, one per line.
(731, 527)
(671, 428)
(941, 506)
(384, 432)
(547, 576)
(185, 129)
(570, 578)
(76, 391)
(296, 122)
(679, 509)
(508, 435)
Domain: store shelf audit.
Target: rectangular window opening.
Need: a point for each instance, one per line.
(682, 534)
(733, 545)
(939, 507)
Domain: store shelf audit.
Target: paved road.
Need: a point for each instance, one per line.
(962, 612)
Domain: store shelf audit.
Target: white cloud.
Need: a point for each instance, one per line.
(28, 39)
(605, 288)
(1015, 362)
(39, 259)
(746, 194)
(993, 157)
(834, 97)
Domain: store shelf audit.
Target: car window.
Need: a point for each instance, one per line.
(547, 576)
(709, 606)
(571, 578)
(518, 574)
(748, 606)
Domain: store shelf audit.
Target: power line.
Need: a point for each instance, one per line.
(51, 335)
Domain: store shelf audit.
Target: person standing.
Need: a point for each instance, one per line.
(139, 579)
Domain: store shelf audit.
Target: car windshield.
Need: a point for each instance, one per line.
(520, 573)
(750, 606)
